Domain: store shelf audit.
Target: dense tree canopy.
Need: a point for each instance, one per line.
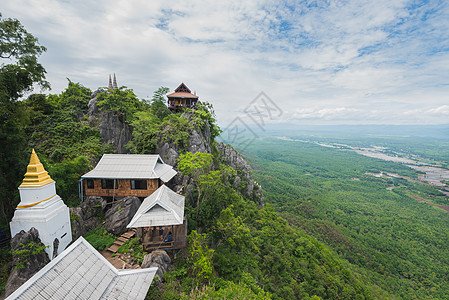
(19, 70)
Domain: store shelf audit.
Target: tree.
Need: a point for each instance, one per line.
(21, 50)
(145, 129)
(195, 166)
(199, 258)
(206, 115)
(122, 101)
(157, 104)
(19, 70)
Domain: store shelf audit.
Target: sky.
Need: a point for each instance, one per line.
(316, 62)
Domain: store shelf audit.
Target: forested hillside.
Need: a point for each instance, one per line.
(400, 244)
(237, 246)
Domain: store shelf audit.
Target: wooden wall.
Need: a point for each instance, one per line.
(123, 188)
(152, 236)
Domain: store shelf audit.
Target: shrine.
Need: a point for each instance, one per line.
(40, 207)
(182, 98)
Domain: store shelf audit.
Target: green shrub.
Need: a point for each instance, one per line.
(99, 238)
(25, 251)
(136, 246)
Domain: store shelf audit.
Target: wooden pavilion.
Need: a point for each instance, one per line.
(121, 175)
(161, 213)
(182, 98)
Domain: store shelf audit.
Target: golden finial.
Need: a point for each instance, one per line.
(36, 176)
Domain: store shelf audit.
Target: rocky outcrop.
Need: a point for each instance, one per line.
(86, 216)
(30, 263)
(198, 141)
(159, 259)
(243, 181)
(113, 130)
(120, 214)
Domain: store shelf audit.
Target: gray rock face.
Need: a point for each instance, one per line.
(198, 141)
(84, 217)
(120, 214)
(159, 259)
(32, 264)
(243, 181)
(113, 130)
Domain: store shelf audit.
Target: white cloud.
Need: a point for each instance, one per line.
(334, 61)
(336, 113)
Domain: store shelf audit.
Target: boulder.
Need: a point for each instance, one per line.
(159, 259)
(31, 264)
(86, 216)
(120, 214)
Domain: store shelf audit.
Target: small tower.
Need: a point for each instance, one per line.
(110, 82)
(114, 85)
(40, 207)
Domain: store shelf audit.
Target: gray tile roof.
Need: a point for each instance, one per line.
(80, 272)
(132, 166)
(163, 207)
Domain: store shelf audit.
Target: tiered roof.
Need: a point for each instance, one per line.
(182, 91)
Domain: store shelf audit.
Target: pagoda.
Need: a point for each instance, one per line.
(182, 98)
(40, 207)
(112, 86)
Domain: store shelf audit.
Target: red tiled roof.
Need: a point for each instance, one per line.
(182, 95)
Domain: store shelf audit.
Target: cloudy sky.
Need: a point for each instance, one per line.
(321, 62)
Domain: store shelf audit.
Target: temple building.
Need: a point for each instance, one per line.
(122, 175)
(40, 207)
(182, 98)
(159, 216)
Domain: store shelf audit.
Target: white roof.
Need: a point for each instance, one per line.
(162, 208)
(131, 166)
(80, 272)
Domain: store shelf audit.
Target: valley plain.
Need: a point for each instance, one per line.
(369, 199)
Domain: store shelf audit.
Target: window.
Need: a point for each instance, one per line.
(138, 184)
(90, 183)
(108, 184)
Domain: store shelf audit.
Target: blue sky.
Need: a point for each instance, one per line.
(322, 62)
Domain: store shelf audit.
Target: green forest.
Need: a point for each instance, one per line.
(400, 244)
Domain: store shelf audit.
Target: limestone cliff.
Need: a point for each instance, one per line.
(200, 140)
(113, 130)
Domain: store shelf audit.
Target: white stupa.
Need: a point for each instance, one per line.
(40, 207)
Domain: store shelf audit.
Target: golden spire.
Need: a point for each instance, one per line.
(36, 176)
(110, 82)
